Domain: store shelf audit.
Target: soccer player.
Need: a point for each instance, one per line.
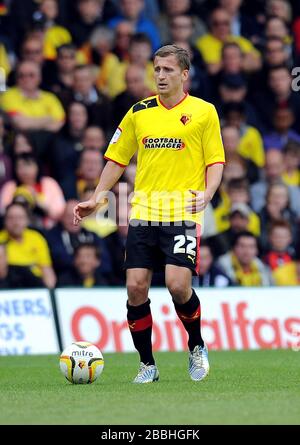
(179, 168)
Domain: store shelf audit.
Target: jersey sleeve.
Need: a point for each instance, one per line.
(123, 144)
(212, 144)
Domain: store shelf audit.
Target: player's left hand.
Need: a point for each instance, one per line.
(198, 201)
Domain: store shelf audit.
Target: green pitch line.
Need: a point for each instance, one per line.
(244, 387)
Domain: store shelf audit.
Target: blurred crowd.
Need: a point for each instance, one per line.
(70, 70)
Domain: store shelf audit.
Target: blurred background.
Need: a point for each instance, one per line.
(72, 69)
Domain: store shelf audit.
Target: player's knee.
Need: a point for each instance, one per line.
(137, 292)
(178, 290)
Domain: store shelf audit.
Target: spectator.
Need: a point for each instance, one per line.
(173, 8)
(16, 277)
(89, 170)
(242, 264)
(250, 143)
(274, 55)
(64, 237)
(32, 51)
(116, 242)
(21, 13)
(291, 159)
(42, 192)
(233, 89)
(231, 142)
(55, 35)
(277, 27)
(210, 274)
(274, 168)
(26, 247)
(62, 79)
(5, 161)
(131, 10)
(239, 215)
(232, 58)
(21, 143)
(67, 147)
(181, 29)
(277, 208)
(136, 90)
(139, 54)
(85, 271)
(280, 255)
(98, 52)
(283, 120)
(210, 45)
(279, 8)
(85, 91)
(236, 193)
(235, 168)
(89, 14)
(94, 138)
(231, 64)
(4, 60)
(29, 107)
(124, 30)
(241, 24)
(278, 94)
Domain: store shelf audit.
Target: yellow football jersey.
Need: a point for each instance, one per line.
(174, 147)
(31, 251)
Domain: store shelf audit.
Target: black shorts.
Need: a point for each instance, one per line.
(152, 245)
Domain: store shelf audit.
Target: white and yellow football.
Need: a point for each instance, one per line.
(81, 362)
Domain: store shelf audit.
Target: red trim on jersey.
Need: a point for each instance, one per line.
(209, 165)
(141, 324)
(214, 163)
(170, 108)
(112, 160)
(198, 234)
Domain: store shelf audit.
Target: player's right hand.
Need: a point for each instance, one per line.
(83, 209)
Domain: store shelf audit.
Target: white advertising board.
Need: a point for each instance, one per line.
(26, 323)
(232, 318)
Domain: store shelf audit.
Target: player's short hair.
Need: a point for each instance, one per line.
(181, 55)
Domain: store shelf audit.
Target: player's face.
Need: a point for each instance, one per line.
(169, 77)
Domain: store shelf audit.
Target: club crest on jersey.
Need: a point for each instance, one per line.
(186, 119)
(163, 143)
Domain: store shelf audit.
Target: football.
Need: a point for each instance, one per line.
(81, 362)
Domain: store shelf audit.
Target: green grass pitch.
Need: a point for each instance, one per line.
(244, 387)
